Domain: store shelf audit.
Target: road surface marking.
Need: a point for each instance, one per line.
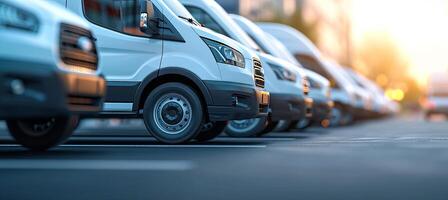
(125, 165)
(148, 138)
(150, 146)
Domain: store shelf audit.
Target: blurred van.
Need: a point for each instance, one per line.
(437, 95)
(320, 92)
(343, 93)
(284, 81)
(49, 73)
(184, 80)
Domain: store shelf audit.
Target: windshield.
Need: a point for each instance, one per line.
(237, 33)
(282, 50)
(179, 9)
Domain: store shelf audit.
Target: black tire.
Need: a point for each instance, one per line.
(303, 124)
(337, 116)
(77, 124)
(269, 128)
(246, 128)
(42, 134)
(179, 116)
(209, 133)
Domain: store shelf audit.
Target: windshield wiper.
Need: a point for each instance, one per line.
(191, 20)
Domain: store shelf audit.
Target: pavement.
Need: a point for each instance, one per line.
(397, 158)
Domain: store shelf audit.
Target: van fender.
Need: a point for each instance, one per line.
(176, 71)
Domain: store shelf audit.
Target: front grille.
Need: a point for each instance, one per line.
(258, 73)
(72, 52)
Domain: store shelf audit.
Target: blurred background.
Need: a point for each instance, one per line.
(399, 44)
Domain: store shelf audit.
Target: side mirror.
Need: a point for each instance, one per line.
(149, 23)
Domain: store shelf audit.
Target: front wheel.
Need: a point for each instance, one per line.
(246, 128)
(211, 131)
(284, 126)
(173, 113)
(269, 128)
(42, 134)
(337, 116)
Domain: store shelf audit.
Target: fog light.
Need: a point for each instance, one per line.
(17, 87)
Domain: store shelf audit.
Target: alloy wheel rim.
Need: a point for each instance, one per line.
(243, 125)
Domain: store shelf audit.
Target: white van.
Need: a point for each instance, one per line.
(379, 100)
(320, 92)
(284, 81)
(343, 93)
(437, 95)
(364, 98)
(271, 45)
(183, 79)
(48, 72)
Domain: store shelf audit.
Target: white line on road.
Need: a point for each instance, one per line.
(150, 146)
(139, 138)
(127, 165)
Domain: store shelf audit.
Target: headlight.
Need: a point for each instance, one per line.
(225, 54)
(16, 18)
(282, 73)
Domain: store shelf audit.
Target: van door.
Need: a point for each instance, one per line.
(127, 55)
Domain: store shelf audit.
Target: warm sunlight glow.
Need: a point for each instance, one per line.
(395, 94)
(419, 27)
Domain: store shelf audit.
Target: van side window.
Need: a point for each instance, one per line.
(118, 15)
(204, 18)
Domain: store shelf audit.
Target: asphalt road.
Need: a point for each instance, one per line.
(402, 158)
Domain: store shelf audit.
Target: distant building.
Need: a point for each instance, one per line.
(261, 9)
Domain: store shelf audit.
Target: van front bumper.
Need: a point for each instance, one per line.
(288, 107)
(235, 101)
(30, 89)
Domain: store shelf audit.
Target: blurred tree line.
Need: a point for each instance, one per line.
(377, 56)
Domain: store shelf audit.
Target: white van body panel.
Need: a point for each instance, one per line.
(275, 85)
(228, 72)
(267, 42)
(43, 46)
(297, 42)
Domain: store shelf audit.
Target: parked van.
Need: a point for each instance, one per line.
(319, 86)
(48, 72)
(343, 93)
(437, 95)
(378, 104)
(320, 92)
(160, 64)
(364, 99)
(283, 80)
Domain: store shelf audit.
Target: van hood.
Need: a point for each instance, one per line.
(209, 34)
(52, 10)
(300, 73)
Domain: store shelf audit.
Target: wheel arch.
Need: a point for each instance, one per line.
(172, 74)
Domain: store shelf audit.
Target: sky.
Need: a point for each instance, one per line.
(419, 27)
